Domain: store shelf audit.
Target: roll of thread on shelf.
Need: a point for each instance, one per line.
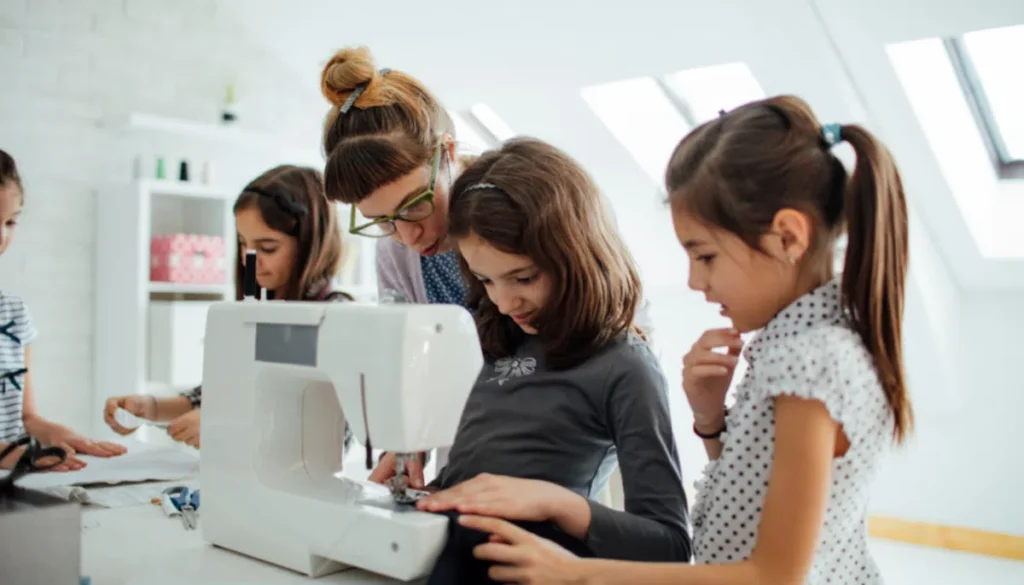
(250, 288)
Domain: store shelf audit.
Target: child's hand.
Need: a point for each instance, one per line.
(71, 463)
(707, 374)
(140, 406)
(185, 428)
(385, 471)
(73, 443)
(511, 498)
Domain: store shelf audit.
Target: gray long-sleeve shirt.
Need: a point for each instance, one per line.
(568, 427)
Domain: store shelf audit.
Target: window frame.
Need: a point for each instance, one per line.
(974, 92)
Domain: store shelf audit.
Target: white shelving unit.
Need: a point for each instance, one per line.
(185, 190)
(181, 288)
(201, 132)
(129, 215)
(127, 219)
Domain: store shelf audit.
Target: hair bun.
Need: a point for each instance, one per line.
(347, 69)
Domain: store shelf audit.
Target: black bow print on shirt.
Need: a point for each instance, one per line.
(6, 330)
(12, 377)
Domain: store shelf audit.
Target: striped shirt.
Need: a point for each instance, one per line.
(16, 332)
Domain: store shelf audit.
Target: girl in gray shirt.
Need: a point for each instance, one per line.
(569, 388)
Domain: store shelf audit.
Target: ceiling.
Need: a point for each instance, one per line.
(529, 61)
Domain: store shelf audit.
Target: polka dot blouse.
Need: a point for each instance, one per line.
(442, 279)
(810, 351)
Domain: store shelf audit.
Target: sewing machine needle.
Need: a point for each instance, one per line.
(399, 467)
(188, 513)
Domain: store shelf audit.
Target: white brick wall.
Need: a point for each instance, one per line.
(66, 65)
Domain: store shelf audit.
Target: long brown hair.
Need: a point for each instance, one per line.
(392, 127)
(539, 203)
(737, 171)
(9, 173)
(291, 200)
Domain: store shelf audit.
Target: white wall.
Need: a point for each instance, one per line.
(68, 66)
(963, 465)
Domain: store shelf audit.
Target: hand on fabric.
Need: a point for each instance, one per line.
(185, 428)
(708, 373)
(70, 463)
(53, 434)
(385, 471)
(142, 406)
(522, 557)
(502, 496)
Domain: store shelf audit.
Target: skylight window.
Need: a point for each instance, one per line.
(650, 116)
(707, 90)
(990, 63)
(492, 122)
(994, 56)
(469, 139)
(948, 115)
(640, 115)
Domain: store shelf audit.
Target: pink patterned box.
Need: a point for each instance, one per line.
(187, 258)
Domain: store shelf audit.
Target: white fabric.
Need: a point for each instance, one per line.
(810, 351)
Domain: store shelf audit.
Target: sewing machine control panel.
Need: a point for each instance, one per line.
(286, 344)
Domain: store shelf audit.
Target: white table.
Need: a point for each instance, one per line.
(139, 545)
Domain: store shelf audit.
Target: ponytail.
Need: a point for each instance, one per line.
(739, 169)
(876, 265)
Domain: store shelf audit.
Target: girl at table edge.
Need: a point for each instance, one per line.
(569, 391)
(283, 215)
(19, 415)
(825, 386)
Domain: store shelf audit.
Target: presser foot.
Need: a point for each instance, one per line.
(401, 493)
(400, 490)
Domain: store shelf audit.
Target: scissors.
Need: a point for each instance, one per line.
(35, 458)
(187, 503)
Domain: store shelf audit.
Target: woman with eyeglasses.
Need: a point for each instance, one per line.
(392, 154)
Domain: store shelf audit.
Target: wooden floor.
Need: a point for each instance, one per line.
(948, 537)
(908, 564)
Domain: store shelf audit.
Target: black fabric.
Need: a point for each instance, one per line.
(457, 566)
(572, 428)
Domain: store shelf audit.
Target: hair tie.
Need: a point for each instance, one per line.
(832, 134)
(721, 113)
(290, 206)
(358, 91)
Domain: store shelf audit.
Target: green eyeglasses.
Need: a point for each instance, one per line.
(417, 209)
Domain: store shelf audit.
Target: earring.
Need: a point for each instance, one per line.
(792, 260)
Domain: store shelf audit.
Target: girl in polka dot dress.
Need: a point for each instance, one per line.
(758, 200)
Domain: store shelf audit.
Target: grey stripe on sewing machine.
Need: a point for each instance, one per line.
(286, 344)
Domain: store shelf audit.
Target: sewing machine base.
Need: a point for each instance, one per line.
(370, 531)
(281, 382)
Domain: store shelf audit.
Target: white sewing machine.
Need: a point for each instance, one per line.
(274, 376)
